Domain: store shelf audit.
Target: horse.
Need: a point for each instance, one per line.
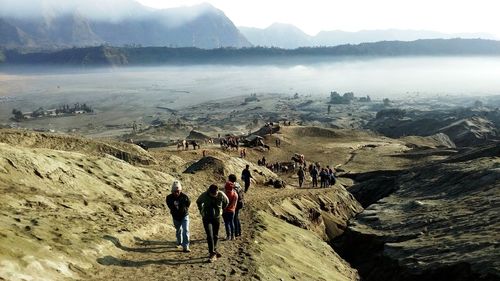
(180, 145)
(195, 144)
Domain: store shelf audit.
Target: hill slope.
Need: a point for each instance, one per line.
(128, 23)
(162, 55)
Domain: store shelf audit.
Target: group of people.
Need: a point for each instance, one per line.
(229, 142)
(326, 176)
(212, 204)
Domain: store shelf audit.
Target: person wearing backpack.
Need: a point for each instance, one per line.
(239, 205)
(210, 204)
(228, 213)
(178, 203)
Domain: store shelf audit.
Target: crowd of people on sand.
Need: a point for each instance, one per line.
(212, 205)
(325, 175)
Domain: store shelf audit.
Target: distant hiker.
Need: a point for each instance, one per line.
(239, 206)
(323, 178)
(277, 143)
(246, 176)
(229, 211)
(331, 176)
(210, 204)
(178, 203)
(301, 175)
(263, 161)
(314, 176)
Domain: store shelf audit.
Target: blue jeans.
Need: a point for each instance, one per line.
(237, 223)
(229, 224)
(182, 231)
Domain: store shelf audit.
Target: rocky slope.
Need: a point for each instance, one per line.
(56, 206)
(71, 208)
(464, 127)
(440, 223)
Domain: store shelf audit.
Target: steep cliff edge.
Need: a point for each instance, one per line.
(440, 223)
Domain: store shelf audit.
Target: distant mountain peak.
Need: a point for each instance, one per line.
(289, 36)
(116, 22)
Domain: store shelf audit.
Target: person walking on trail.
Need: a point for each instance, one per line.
(178, 203)
(331, 174)
(301, 175)
(314, 176)
(239, 205)
(323, 178)
(228, 213)
(246, 176)
(210, 204)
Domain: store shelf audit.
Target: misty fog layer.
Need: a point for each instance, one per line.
(107, 11)
(183, 85)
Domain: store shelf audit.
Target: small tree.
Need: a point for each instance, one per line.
(386, 101)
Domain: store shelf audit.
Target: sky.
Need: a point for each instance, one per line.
(312, 16)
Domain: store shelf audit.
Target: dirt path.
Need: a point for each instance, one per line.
(158, 258)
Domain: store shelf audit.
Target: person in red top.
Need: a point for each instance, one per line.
(228, 213)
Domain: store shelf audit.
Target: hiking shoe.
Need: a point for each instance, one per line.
(186, 250)
(217, 254)
(213, 258)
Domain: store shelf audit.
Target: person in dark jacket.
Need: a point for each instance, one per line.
(246, 176)
(314, 175)
(178, 203)
(301, 176)
(210, 204)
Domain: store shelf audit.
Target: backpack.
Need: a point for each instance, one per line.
(241, 195)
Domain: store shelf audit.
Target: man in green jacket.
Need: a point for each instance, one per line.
(210, 204)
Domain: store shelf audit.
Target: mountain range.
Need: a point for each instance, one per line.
(48, 24)
(201, 26)
(288, 36)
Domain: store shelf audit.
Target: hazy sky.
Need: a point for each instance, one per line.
(451, 16)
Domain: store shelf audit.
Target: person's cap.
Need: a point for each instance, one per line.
(176, 186)
(213, 189)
